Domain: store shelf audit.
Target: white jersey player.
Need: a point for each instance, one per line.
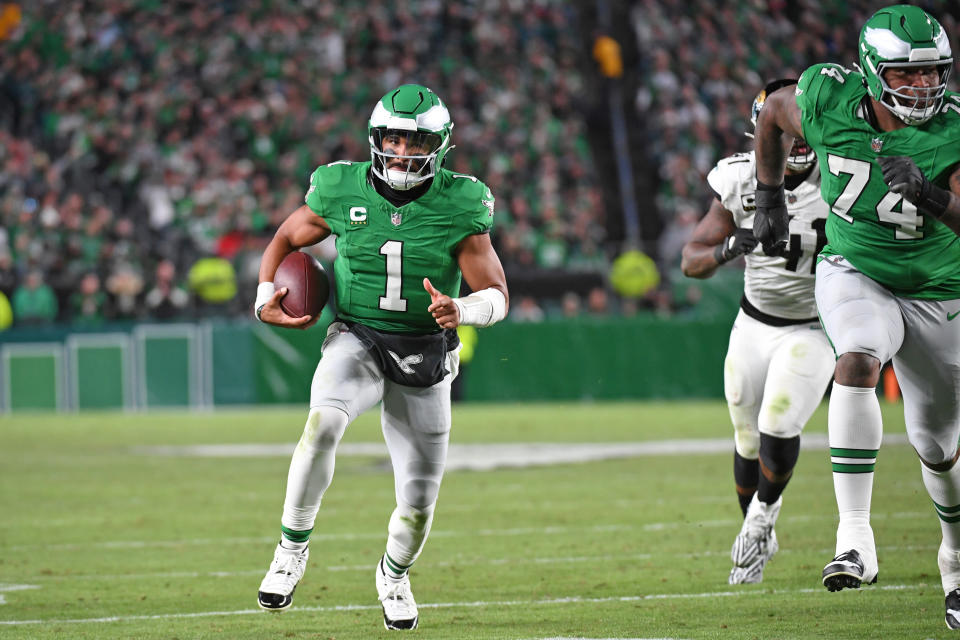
(779, 361)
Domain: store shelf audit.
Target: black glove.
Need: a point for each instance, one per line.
(736, 244)
(904, 177)
(770, 224)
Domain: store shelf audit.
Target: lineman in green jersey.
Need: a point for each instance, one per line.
(888, 281)
(406, 231)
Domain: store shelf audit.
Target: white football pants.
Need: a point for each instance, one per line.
(773, 378)
(416, 428)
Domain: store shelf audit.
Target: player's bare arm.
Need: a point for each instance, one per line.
(484, 275)
(951, 216)
(302, 228)
(716, 240)
(777, 124)
(780, 115)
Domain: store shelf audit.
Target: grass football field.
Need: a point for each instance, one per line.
(137, 526)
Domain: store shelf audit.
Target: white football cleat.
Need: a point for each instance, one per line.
(752, 574)
(399, 607)
(756, 543)
(285, 572)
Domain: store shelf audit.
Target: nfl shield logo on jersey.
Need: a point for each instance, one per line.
(876, 144)
(395, 218)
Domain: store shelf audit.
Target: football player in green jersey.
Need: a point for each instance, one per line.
(406, 231)
(887, 138)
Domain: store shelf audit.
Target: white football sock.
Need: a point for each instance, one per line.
(944, 490)
(286, 543)
(855, 431)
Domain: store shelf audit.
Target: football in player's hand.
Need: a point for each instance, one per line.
(307, 286)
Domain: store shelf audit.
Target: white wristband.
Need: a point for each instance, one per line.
(265, 291)
(482, 308)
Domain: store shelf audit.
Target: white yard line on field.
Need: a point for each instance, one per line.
(484, 457)
(5, 586)
(440, 533)
(451, 605)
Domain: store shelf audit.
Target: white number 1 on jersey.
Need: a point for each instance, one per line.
(393, 301)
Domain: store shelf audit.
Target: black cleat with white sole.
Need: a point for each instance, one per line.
(845, 572)
(400, 625)
(274, 601)
(952, 604)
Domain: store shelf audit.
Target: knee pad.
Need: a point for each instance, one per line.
(931, 452)
(746, 439)
(324, 428)
(419, 493)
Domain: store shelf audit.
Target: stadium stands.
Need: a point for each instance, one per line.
(133, 136)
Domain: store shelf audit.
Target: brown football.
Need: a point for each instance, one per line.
(307, 286)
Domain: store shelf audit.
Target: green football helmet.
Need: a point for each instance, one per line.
(905, 36)
(409, 134)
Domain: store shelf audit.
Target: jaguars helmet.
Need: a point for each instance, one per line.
(801, 156)
(905, 36)
(415, 125)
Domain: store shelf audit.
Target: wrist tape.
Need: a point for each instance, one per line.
(265, 291)
(482, 308)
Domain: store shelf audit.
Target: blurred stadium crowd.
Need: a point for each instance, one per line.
(149, 149)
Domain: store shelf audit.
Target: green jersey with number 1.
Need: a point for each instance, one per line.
(384, 252)
(877, 231)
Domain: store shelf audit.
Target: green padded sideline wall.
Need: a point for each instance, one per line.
(583, 359)
(248, 363)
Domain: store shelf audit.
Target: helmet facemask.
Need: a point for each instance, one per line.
(409, 135)
(801, 157)
(914, 105)
(905, 37)
(417, 162)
